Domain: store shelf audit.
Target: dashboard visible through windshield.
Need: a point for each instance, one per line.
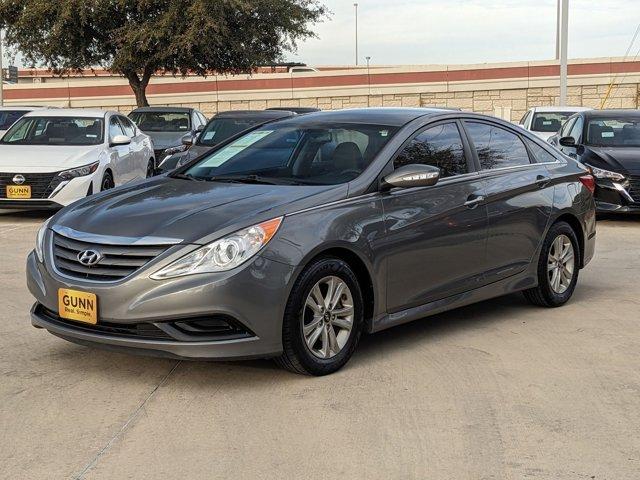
(315, 154)
(61, 131)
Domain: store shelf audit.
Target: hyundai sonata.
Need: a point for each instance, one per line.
(296, 238)
(51, 158)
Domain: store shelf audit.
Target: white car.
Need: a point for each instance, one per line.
(9, 116)
(545, 122)
(51, 158)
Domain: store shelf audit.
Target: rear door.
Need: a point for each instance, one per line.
(519, 196)
(435, 236)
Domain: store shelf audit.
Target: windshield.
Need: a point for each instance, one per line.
(318, 154)
(614, 132)
(549, 122)
(55, 131)
(9, 117)
(218, 130)
(162, 121)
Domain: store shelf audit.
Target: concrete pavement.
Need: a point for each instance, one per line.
(498, 390)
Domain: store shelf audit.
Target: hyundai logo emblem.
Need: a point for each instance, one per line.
(18, 179)
(89, 257)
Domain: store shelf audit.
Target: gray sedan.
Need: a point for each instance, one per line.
(296, 238)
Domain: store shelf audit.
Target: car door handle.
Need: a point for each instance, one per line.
(542, 181)
(473, 201)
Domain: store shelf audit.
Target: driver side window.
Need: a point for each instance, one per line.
(576, 130)
(114, 128)
(440, 146)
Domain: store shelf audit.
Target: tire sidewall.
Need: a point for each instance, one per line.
(554, 298)
(106, 176)
(295, 341)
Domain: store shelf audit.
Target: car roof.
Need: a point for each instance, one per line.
(613, 112)
(297, 109)
(259, 114)
(551, 108)
(69, 112)
(393, 117)
(163, 109)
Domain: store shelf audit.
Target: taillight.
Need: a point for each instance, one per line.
(589, 181)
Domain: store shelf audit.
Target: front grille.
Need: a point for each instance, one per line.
(634, 188)
(137, 330)
(42, 184)
(117, 262)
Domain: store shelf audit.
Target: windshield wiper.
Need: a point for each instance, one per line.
(257, 179)
(186, 176)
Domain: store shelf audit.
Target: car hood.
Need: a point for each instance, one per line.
(163, 140)
(623, 159)
(45, 158)
(194, 212)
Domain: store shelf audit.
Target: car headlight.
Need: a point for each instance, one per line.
(223, 254)
(172, 150)
(40, 240)
(602, 173)
(79, 172)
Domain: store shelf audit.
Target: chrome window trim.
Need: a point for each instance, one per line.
(114, 240)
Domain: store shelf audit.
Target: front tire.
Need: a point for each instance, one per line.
(151, 168)
(107, 182)
(558, 268)
(323, 319)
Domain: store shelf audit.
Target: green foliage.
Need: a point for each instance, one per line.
(139, 37)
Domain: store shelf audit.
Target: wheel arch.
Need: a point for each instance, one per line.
(359, 267)
(576, 226)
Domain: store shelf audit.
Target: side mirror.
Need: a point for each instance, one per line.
(415, 175)
(200, 128)
(187, 139)
(120, 140)
(568, 142)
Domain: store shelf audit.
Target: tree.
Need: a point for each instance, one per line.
(137, 38)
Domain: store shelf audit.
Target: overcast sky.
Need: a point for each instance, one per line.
(468, 31)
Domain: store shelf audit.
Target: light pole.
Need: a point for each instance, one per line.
(356, 8)
(564, 32)
(368, 74)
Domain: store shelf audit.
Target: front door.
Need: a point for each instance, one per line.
(435, 236)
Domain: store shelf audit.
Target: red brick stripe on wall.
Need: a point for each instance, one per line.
(210, 85)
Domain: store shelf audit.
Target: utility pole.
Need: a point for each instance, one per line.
(356, 7)
(558, 31)
(564, 37)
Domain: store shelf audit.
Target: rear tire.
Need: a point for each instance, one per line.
(323, 319)
(107, 182)
(558, 268)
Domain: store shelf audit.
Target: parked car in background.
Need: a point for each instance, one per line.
(546, 121)
(608, 142)
(294, 239)
(220, 128)
(167, 126)
(51, 158)
(9, 115)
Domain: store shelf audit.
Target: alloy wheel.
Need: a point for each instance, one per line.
(561, 264)
(327, 317)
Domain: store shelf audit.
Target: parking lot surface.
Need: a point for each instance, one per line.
(497, 390)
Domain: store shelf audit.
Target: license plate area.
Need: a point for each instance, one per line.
(78, 306)
(18, 192)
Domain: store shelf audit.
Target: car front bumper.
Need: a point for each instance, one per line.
(141, 315)
(64, 194)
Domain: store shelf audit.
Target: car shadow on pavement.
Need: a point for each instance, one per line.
(22, 215)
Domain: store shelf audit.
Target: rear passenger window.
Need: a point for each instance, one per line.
(540, 155)
(497, 147)
(440, 147)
